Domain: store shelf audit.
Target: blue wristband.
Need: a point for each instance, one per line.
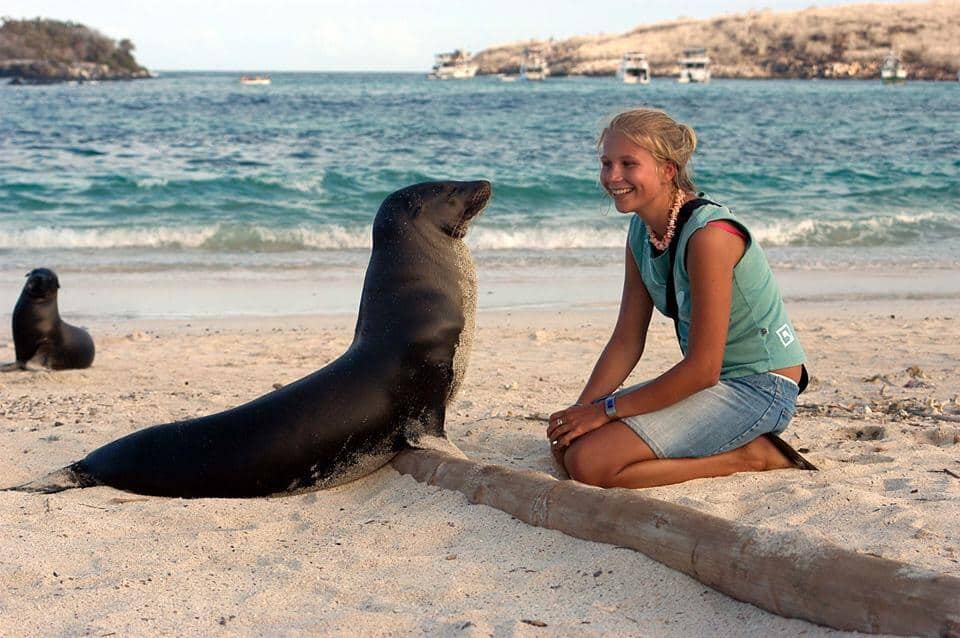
(610, 406)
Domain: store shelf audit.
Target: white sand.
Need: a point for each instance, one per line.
(388, 556)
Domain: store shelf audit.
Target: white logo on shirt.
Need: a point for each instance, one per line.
(786, 336)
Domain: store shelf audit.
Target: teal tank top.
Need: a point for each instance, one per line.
(760, 336)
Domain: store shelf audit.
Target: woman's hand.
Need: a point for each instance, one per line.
(566, 425)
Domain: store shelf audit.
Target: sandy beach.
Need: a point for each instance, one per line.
(213, 236)
(386, 555)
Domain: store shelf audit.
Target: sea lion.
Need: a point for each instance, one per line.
(38, 330)
(388, 391)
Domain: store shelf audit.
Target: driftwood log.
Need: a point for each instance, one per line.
(784, 572)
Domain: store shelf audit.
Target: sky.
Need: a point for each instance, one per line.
(355, 35)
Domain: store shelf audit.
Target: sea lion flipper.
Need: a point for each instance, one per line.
(439, 443)
(63, 479)
(427, 433)
(12, 366)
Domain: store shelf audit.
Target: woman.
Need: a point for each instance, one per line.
(718, 410)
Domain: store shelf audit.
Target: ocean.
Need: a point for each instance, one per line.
(193, 176)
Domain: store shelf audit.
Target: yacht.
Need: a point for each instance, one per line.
(255, 80)
(634, 68)
(892, 70)
(455, 65)
(534, 67)
(694, 66)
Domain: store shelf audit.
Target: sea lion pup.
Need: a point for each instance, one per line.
(38, 330)
(388, 391)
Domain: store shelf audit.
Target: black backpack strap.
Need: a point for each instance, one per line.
(685, 212)
(672, 310)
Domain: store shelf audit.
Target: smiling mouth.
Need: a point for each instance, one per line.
(619, 192)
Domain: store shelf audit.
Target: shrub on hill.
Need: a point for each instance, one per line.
(55, 41)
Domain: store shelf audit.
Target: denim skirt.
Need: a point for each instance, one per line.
(721, 418)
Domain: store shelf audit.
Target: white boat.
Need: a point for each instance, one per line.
(694, 66)
(634, 68)
(255, 80)
(891, 69)
(534, 67)
(455, 65)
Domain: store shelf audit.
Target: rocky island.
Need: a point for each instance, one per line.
(42, 51)
(830, 42)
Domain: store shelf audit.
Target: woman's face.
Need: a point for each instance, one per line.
(631, 175)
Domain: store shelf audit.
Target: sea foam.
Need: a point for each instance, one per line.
(809, 232)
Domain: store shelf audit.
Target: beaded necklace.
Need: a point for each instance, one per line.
(662, 244)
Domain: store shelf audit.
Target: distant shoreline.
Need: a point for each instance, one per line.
(162, 73)
(843, 42)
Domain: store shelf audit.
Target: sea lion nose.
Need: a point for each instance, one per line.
(482, 190)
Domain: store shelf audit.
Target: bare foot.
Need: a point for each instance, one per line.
(763, 455)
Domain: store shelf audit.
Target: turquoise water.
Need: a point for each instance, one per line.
(194, 171)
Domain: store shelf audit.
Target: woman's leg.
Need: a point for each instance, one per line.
(615, 456)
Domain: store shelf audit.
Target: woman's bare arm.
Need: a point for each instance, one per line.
(625, 346)
(712, 255)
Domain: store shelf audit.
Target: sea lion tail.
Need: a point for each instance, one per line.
(63, 479)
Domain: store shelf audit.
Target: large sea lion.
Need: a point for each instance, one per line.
(389, 390)
(38, 330)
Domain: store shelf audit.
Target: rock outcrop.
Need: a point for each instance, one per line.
(46, 51)
(835, 42)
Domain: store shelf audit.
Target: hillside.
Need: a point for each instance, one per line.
(836, 42)
(40, 51)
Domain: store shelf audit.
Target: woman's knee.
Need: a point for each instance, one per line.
(585, 465)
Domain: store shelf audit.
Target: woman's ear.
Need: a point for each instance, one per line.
(668, 171)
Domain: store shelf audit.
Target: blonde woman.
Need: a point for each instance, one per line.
(717, 411)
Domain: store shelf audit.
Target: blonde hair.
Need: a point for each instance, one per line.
(666, 139)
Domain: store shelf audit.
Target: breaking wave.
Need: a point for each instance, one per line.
(877, 231)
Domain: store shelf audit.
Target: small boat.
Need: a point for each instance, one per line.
(892, 70)
(694, 66)
(255, 80)
(455, 65)
(534, 66)
(634, 68)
